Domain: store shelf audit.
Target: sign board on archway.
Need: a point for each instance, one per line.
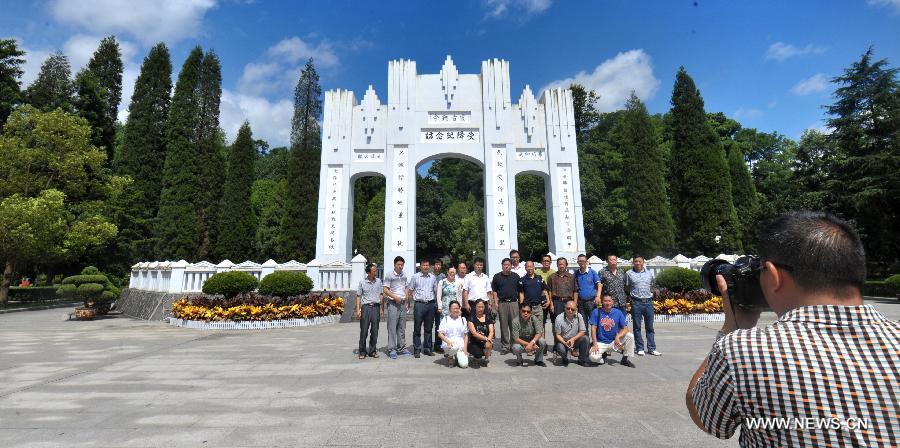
(427, 117)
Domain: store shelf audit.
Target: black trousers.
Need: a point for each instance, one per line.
(558, 308)
(370, 316)
(423, 313)
(583, 345)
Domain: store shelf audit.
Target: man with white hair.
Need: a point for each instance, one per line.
(609, 331)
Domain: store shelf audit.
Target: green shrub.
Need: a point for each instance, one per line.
(888, 287)
(85, 278)
(893, 283)
(89, 290)
(230, 284)
(678, 279)
(32, 293)
(66, 291)
(90, 270)
(285, 284)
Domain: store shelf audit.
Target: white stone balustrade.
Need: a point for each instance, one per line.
(183, 277)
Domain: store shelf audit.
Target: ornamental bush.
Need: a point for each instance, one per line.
(92, 287)
(678, 279)
(230, 284)
(285, 284)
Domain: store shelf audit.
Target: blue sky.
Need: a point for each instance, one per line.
(765, 63)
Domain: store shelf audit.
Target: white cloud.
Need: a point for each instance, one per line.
(813, 84)
(889, 3)
(269, 120)
(147, 21)
(747, 113)
(781, 51)
(616, 78)
(820, 127)
(501, 8)
(34, 57)
(294, 50)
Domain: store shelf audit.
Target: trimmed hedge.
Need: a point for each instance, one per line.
(230, 284)
(32, 293)
(92, 287)
(678, 279)
(82, 279)
(285, 284)
(889, 287)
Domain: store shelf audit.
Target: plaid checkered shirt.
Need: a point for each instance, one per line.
(827, 374)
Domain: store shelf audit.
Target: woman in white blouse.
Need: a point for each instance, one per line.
(454, 333)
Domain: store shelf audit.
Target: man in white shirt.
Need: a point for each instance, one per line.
(477, 285)
(517, 266)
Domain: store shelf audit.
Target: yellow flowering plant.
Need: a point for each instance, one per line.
(256, 308)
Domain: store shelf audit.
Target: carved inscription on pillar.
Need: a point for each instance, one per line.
(566, 206)
(500, 210)
(333, 197)
(399, 195)
(455, 135)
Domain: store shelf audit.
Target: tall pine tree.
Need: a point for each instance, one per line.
(651, 230)
(106, 66)
(865, 176)
(237, 223)
(297, 235)
(177, 226)
(53, 87)
(210, 147)
(142, 156)
(700, 182)
(90, 104)
(743, 194)
(11, 62)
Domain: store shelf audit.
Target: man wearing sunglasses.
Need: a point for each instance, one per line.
(526, 336)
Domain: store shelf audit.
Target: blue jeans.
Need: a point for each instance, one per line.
(423, 314)
(643, 310)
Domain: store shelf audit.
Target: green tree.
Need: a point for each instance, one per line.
(53, 190)
(465, 235)
(297, 236)
(531, 217)
(265, 198)
(743, 193)
(370, 233)
(273, 164)
(700, 185)
(865, 175)
(178, 228)
(585, 104)
(11, 62)
(53, 87)
(141, 156)
(237, 223)
(815, 153)
(106, 66)
(211, 148)
(650, 227)
(91, 105)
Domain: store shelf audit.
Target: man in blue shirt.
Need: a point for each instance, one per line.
(589, 286)
(638, 282)
(609, 331)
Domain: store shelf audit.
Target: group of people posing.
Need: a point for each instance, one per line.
(586, 309)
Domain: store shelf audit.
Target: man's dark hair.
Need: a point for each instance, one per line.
(462, 263)
(478, 260)
(525, 305)
(606, 294)
(369, 267)
(546, 256)
(505, 260)
(398, 258)
(638, 256)
(581, 256)
(563, 259)
(513, 252)
(820, 251)
(438, 261)
(424, 260)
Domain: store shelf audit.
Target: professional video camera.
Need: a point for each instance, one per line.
(742, 278)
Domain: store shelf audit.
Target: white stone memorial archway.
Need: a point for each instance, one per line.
(448, 114)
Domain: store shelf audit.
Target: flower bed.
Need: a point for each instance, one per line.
(666, 302)
(254, 307)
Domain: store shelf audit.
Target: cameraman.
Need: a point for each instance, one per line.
(825, 373)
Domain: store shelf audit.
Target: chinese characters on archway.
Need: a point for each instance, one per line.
(367, 155)
(437, 135)
(399, 193)
(449, 117)
(566, 206)
(333, 196)
(501, 197)
(529, 153)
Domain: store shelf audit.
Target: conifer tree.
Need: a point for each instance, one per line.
(650, 227)
(210, 148)
(237, 223)
(90, 104)
(53, 87)
(177, 227)
(106, 66)
(297, 233)
(11, 62)
(142, 156)
(700, 181)
(743, 194)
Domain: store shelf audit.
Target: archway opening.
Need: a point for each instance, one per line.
(532, 216)
(450, 210)
(368, 217)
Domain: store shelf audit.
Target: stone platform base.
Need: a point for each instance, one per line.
(677, 318)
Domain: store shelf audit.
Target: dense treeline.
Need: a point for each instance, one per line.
(166, 185)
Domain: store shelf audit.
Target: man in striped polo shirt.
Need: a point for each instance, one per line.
(825, 373)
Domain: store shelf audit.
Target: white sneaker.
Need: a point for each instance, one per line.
(655, 353)
(640, 353)
(601, 361)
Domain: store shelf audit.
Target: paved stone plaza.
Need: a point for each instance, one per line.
(120, 382)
